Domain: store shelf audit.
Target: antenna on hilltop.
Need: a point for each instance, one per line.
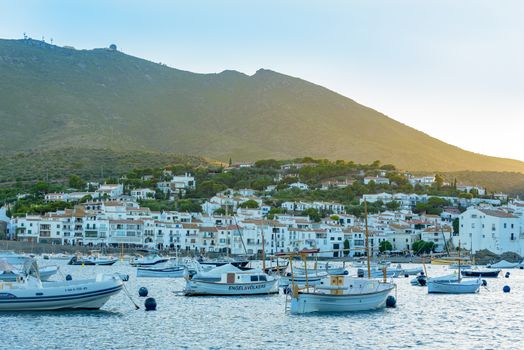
(25, 36)
(43, 38)
(51, 40)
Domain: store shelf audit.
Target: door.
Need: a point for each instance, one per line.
(230, 278)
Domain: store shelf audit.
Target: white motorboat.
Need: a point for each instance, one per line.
(468, 286)
(153, 258)
(447, 278)
(13, 258)
(327, 268)
(59, 256)
(230, 280)
(341, 294)
(503, 264)
(413, 271)
(378, 273)
(29, 293)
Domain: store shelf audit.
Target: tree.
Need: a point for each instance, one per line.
(250, 204)
(421, 247)
(220, 211)
(439, 181)
(346, 247)
(313, 214)
(77, 182)
(456, 225)
(394, 205)
(187, 205)
(385, 246)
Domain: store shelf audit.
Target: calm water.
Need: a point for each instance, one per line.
(488, 320)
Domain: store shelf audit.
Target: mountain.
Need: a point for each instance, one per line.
(54, 98)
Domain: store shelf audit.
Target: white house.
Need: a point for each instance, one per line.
(495, 230)
(111, 190)
(377, 180)
(467, 188)
(300, 185)
(424, 180)
(142, 193)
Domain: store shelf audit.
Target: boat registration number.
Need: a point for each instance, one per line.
(251, 287)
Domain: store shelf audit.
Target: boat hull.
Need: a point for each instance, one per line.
(194, 288)
(312, 302)
(168, 272)
(63, 296)
(481, 273)
(463, 287)
(45, 274)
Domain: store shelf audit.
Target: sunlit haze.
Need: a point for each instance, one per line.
(452, 69)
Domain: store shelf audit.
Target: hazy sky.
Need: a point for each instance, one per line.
(453, 69)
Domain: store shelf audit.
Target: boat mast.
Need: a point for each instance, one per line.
(367, 237)
(459, 263)
(263, 250)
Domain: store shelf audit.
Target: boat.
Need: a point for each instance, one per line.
(503, 264)
(449, 261)
(460, 286)
(10, 273)
(378, 273)
(59, 256)
(166, 272)
(327, 268)
(75, 260)
(152, 258)
(230, 280)
(300, 280)
(278, 268)
(221, 262)
(29, 293)
(13, 258)
(341, 294)
(171, 269)
(412, 272)
(493, 273)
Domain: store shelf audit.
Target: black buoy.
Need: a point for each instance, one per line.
(150, 304)
(391, 301)
(406, 275)
(346, 272)
(506, 289)
(507, 274)
(521, 267)
(484, 283)
(69, 278)
(143, 292)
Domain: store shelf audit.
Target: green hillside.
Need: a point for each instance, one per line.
(54, 98)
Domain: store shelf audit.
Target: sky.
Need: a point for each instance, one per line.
(453, 69)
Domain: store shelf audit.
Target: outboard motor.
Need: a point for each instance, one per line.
(421, 280)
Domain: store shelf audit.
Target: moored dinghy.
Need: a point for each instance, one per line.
(460, 286)
(9, 273)
(31, 294)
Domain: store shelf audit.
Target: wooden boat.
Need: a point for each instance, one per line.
(341, 294)
(449, 261)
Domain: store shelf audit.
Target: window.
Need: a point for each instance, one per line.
(254, 278)
(505, 225)
(512, 237)
(263, 278)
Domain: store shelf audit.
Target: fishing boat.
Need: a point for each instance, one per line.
(152, 258)
(503, 264)
(29, 293)
(460, 286)
(277, 269)
(492, 273)
(230, 280)
(341, 294)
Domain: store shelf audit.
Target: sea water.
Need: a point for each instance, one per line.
(488, 320)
